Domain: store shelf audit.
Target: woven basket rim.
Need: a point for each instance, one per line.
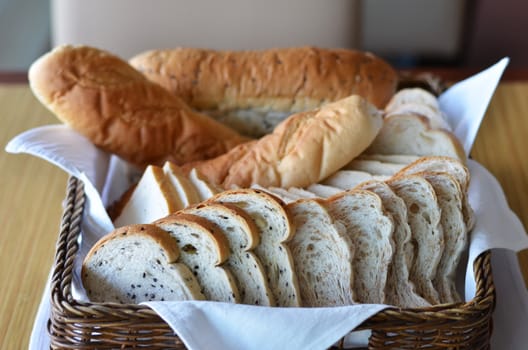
(65, 307)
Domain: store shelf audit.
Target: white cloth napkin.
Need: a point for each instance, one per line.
(203, 325)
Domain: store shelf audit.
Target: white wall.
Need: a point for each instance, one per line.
(24, 32)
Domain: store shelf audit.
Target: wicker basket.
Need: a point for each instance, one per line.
(82, 325)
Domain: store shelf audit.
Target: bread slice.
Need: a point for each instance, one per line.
(243, 236)
(301, 192)
(454, 167)
(204, 188)
(449, 196)
(323, 255)
(399, 290)
(281, 193)
(374, 167)
(412, 95)
(275, 230)
(390, 158)
(411, 134)
(423, 213)
(434, 115)
(153, 198)
(370, 230)
(346, 179)
(137, 263)
(204, 249)
(323, 191)
(187, 193)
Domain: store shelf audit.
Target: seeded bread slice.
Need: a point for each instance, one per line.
(204, 249)
(399, 290)
(423, 213)
(370, 230)
(275, 229)
(323, 255)
(242, 235)
(452, 166)
(281, 193)
(185, 190)
(449, 196)
(137, 263)
(151, 199)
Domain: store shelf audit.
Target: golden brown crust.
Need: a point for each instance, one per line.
(302, 150)
(273, 202)
(285, 79)
(118, 109)
(250, 228)
(203, 225)
(163, 238)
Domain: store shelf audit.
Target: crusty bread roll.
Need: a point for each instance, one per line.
(302, 150)
(104, 98)
(254, 90)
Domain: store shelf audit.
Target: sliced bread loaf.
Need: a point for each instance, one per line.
(204, 249)
(323, 255)
(399, 289)
(243, 236)
(137, 263)
(449, 196)
(423, 213)
(452, 166)
(275, 229)
(370, 231)
(152, 198)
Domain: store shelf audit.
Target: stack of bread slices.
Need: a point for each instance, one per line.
(392, 236)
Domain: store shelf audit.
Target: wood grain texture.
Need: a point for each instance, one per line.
(31, 192)
(501, 146)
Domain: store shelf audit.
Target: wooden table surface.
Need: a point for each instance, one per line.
(32, 191)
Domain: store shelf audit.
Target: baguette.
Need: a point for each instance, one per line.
(254, 90)
(302, 150)
(105, 99)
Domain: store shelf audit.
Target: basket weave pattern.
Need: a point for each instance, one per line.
(82, 325)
